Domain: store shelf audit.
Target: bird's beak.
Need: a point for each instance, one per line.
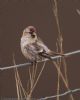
(33, 35)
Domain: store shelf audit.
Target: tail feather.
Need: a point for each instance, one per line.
(45, 55)
(49, 55)
(52, 53)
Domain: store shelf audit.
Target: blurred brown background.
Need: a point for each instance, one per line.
(15, 15)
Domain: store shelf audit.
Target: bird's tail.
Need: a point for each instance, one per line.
(49, 55)
(45, 55)
(52, 53)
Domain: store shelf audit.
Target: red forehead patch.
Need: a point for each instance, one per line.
(32, 28)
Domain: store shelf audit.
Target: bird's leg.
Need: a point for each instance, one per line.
(33, 63)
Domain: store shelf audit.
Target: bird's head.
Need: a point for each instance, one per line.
(30, 31)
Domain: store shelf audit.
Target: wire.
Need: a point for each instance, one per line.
(63, 94)
(26, 64)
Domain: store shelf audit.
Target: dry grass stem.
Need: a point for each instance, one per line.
(60, 46)
(37, 79)
(20, 90)
(58, 80)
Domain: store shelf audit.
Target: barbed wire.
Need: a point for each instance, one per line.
(26, 64)
(59, 95)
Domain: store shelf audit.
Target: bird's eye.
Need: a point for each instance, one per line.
(31, 32)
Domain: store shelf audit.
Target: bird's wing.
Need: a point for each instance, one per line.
(33, 48)
(46, 50)
(41, 44)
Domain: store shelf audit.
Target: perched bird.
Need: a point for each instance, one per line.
(32, 46)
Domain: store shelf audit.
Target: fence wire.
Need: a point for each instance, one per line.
(26, 64)
(63, 94)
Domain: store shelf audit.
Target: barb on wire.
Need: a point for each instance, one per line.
(62, 94)
(26, 64)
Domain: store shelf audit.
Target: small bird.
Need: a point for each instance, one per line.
(32, 46)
